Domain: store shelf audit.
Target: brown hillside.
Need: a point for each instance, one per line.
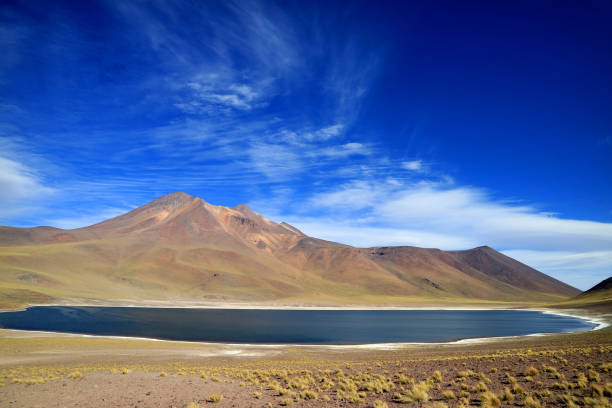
(505, 269)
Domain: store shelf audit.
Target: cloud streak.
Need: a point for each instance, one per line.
(22, 180)
(583, 269)
(462, 211)
(19, 182)
(414, 165)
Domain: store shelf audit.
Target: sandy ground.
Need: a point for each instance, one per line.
(142, 388)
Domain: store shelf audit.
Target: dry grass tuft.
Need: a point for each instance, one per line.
(351, 396)
(568, 400)
(75, 375)
(596, 402)
(608, 389)
(380, 404)
(308, 395)
(581, 380)
(480, 387)
(419, 393)
(532, 402)
(214, 398)
(593, 375)
(506, 395)
(597, 390)
(449, 395)
(489, 400)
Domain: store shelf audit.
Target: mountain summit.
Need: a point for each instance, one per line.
(180, 246)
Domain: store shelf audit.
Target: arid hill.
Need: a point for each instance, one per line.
(603, 287)
(599, 297)
(180, 247)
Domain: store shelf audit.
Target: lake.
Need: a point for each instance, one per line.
(290, 326)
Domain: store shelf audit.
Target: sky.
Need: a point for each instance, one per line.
(429, 123)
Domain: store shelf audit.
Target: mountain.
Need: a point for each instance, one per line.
(180, 247)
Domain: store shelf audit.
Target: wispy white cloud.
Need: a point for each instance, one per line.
(344, 150)
(274, 161)
(366, 234)
(22, 178)
(225, 77)
(582, 269)
(84, 220)
(347, 81)
(245, 151)
(465, 211)
(214, 95)
(237, 60)
(325, 133)
(356, 195)
(19, 182)
(260, 31)
(414, 165)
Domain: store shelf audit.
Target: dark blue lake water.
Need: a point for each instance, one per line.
(290, 326)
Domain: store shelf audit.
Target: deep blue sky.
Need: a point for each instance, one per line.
(438, 124)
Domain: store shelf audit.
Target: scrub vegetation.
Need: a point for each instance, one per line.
(573, 371)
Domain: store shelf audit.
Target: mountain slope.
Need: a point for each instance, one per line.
(598, 297)
(181, 247)
(603, 287)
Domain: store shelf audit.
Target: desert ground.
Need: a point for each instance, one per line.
(60, 370)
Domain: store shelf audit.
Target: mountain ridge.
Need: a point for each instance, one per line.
(180, 246)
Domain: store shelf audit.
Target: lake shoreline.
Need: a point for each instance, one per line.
(600, 320)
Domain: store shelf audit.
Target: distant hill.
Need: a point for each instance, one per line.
(598, 297)
(180, 247)
(602, 288)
